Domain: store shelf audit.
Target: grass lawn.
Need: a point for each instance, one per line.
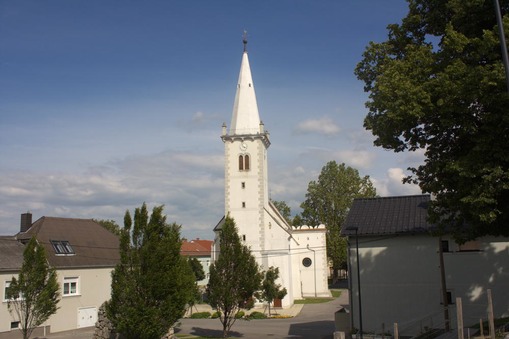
(335, 294)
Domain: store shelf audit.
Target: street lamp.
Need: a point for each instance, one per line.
(356, 229)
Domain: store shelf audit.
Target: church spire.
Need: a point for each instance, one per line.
(245, 117)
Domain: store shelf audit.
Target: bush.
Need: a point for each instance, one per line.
(215, 315)
(200, 315)
(257, 315)
(240, 314)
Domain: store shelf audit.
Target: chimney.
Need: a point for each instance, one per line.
(26, 222)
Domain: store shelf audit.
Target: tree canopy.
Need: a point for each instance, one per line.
(328, 201)
(437, 84)
(270, 289)
(34, 295)
(234, 277)
(153, 283)
(284, 209)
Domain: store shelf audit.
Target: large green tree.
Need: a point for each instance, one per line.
(437, 84)
(153, 283)
(34, 295)
(234, 277)
(284, 209)
(328, 201)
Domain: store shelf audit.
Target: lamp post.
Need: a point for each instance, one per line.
(356, 229)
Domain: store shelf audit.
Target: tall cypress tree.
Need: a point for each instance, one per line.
(34, 295)
(152, 283)
(234, 277)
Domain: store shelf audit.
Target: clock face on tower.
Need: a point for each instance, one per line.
(243, 146)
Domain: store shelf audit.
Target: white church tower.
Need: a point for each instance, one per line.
(260, 225)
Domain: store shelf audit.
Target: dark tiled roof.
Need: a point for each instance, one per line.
(389, 215)
(11, 254)
(94, 246)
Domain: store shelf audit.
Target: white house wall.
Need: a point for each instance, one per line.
(5, 316)
(94, 289)
(94, 286)
(400, 282)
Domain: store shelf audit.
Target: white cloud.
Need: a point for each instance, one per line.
(324, 125)
(189, 185)
(392, 184)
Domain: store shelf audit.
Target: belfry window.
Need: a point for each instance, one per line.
(244, 162)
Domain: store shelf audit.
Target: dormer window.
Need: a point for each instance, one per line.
(62, 247)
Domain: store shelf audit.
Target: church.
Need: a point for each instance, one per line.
(298, 252)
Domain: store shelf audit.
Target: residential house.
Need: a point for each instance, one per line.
(201, 250)
(400, 270)
(84, 254)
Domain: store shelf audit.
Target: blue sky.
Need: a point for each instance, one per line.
(105, 105)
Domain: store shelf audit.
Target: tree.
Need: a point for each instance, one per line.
(197, 269)
(34, 295)
(152, 284)
(271, 290)
(437, 84)
(199, 274)
(328, 201)
(234, 277)
(110, 225)
(284, 209)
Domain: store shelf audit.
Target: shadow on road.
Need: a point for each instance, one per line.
(313, 330)
(207, 332)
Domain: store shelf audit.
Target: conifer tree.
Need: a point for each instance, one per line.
(234, 277)
(153, 283)
(271, 290)
(34, 295)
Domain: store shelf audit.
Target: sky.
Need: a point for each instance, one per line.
(105, 105)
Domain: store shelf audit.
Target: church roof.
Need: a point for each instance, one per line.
(245, 117)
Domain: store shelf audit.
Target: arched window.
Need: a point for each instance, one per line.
(246, 162)
(241, 162)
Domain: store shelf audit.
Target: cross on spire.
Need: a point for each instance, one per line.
(244, 40)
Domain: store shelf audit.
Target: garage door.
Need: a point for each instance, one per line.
(87, 316)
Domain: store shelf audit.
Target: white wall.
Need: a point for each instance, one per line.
(94, 288)
(400, 282)
(5, 316)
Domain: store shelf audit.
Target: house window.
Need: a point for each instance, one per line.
(6, 286)
(243, 184)
(243, 204)
(71, 286)
(62, 247)
(14, 325)
(244, 237)
(445, 246)
(244, 162)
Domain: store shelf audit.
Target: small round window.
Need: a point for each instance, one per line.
(307, 262)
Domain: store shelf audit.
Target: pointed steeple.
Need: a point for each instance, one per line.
(245, 118)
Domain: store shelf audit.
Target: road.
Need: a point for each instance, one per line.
(315, 321)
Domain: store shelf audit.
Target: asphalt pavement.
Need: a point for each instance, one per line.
(310, 321)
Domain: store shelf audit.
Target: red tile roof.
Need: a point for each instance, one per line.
(196, 248)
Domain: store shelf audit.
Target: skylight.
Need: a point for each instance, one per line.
(62, 247)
